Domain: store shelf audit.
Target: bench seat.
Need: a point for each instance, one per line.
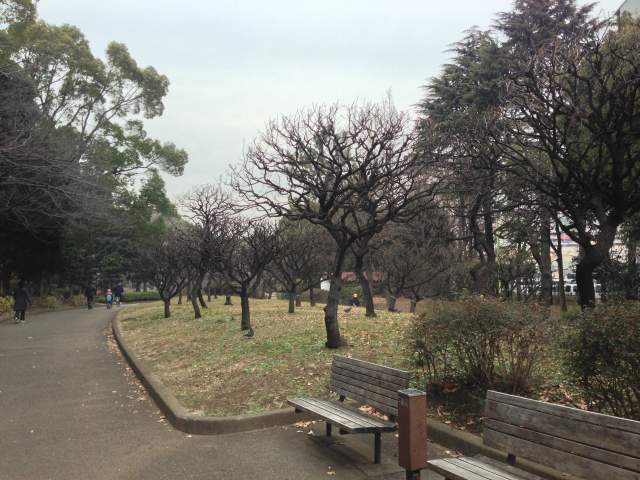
(477, 468)
(580, 443)
(366, 383)
(347, 419)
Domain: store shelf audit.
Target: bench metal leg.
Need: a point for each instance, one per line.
(328, 429)
(376, 447)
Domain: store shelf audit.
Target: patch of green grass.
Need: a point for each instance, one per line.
(212, 368)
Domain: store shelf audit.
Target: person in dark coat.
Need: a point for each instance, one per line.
(21, 298)
(90, 293)
(118, 292)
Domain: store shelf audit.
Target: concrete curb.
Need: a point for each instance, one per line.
(185, 421)
(471, 444)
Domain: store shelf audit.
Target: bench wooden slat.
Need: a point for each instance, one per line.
(358, 375)
(602, 437)
(357, 417)
(517, 472)
(497, 469)
(483, 470)
(392, 380)
(391, 375)
(449, 469)
(594, 418)
(379, 402)
(373, 366)
(331, 416)
(563, 461)
(339, 415)
(392, 395)
(590, 453)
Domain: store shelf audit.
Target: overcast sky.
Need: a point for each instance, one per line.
(234, 64)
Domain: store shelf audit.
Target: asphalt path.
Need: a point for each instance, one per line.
(70, 408)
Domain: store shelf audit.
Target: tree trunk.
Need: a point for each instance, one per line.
(366, 287)
(312, 297)
(270, 295)
(593, 257)
(414, 304)
(292, 303)
(331, 314)
(193, 296)
(584, 279)
(560, 262)
(209, 294)
(631, 285)
(203, 304)
(180, 298)
(167, 308)
(137, 286)
(144, 287)
(490, 246)
(245, 323)
(391, 303)
(227, 299)
(546, 279)
(298, 300)
(333, 299)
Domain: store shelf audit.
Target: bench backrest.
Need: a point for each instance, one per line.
(585, 444)
(368, 383)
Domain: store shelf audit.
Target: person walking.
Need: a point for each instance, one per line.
(118, 292)
(108, 298)
(21, 298)
(90, 293)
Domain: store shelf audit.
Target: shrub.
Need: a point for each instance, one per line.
(140, 296)
(76, 300)
(602, 357)
(483, 342)
(49, 302)
(6, 305)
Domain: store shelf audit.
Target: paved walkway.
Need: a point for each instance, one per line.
(70, 409)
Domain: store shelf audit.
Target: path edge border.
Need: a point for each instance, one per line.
(185, 421)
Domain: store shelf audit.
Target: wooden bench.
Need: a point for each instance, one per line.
(367, 383)
(583, 444)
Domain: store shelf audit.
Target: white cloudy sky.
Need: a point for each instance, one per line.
(233, 64)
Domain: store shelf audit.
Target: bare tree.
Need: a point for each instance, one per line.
(249, 246)
(302, 259)
(208, 208)
(166, 267)
(417, 257)
(351, 170)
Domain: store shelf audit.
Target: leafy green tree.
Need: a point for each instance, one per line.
(574, 98)
(454, 113)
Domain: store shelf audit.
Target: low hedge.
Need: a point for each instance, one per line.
(602, 357)
(140, 296)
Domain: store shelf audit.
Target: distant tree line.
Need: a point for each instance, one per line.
(80, 186)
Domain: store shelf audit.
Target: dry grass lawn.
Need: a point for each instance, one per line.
(214, 370)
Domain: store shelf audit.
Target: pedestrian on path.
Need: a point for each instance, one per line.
(21, 298)
(90, 293)
(108, 298)
(118, 292)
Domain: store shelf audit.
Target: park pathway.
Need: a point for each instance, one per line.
(71, 409)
